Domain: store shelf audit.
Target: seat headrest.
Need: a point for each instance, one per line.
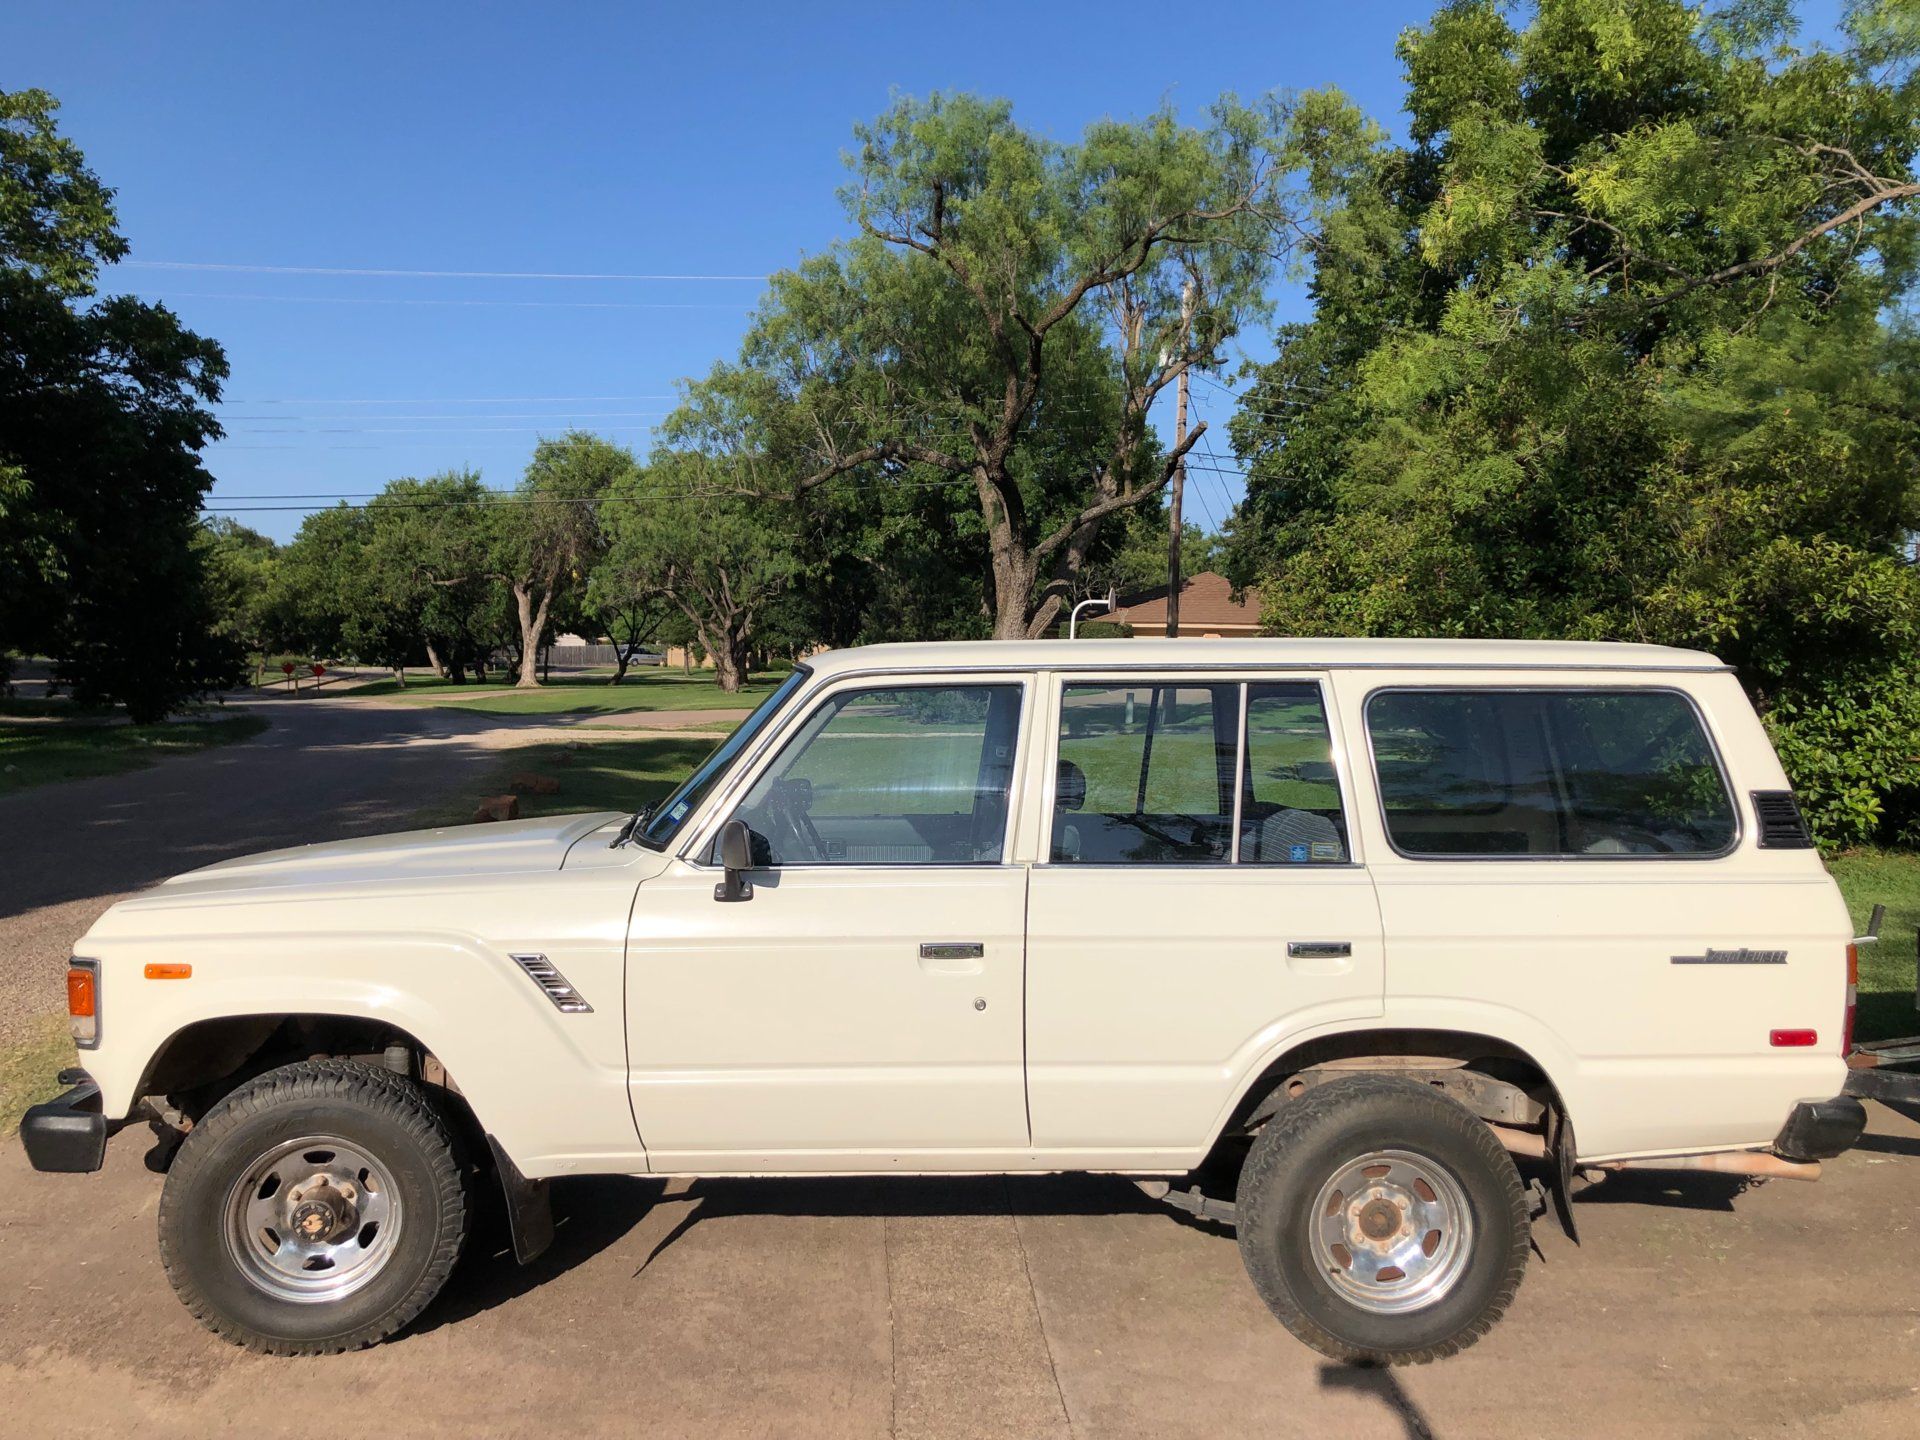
(1069, 787)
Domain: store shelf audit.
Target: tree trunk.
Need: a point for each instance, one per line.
(433, 661)
(533, 623)
(730, 662)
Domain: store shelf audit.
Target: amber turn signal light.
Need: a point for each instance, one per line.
(169, 972)
(83, 1003)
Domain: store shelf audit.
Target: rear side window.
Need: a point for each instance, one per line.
(1565, 773)
(1145, 774)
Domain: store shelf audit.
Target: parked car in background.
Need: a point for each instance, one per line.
(1315, 937)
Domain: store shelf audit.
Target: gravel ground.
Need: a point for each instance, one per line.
(326, 769)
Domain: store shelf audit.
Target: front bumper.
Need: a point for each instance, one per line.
(68, 1133)
(1821, 1129)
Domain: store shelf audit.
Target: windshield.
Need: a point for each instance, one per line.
(665, 821)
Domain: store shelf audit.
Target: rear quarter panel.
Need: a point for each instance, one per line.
(1573, 960)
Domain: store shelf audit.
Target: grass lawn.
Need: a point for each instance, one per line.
(583, 695)
(1890, 878)
(36, 753)
(28, 1068)
(599, 775)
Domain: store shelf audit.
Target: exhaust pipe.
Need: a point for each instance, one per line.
(1755, 1164)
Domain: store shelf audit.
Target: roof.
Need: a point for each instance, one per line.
(1158, 653)
(1205, 599)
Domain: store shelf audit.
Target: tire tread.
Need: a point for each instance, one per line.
(1289, 1126)
(337, 1080)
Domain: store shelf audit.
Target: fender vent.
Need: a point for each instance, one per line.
(553, 984)
(1782, 827)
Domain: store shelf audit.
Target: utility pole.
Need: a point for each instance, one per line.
(1174, 522)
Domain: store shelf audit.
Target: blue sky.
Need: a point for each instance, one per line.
(692, 139)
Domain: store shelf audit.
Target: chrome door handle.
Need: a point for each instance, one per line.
(952, 950)
(1318, 949)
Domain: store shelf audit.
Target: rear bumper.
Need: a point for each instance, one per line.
(1880, 1083)
(1821, 1129)
(68, 1133)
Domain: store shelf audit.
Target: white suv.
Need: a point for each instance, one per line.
(1312, 937)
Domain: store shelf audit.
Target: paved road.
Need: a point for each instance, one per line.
(1030, 1309)
(326, 768)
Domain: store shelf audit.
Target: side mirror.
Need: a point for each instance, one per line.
(736, 855)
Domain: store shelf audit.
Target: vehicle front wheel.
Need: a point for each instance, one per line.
(1381, 1222)
(316, 1209)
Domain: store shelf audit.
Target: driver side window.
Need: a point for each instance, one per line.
(910, 775)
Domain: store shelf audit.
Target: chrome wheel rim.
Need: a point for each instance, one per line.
(312, 1219)
(1392, 1231)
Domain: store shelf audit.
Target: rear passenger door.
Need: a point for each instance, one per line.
(1197, 896)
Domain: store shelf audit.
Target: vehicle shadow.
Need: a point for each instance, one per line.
(594, 1213)
(1665, 1189)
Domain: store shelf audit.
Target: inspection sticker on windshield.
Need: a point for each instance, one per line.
(1297, 853)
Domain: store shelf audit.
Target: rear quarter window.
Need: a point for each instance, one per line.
(1573, 774)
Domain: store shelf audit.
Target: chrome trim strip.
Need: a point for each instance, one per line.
(1700, 719)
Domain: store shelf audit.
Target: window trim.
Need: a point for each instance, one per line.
(1242, 678)
(1700, 719)
(749, 775)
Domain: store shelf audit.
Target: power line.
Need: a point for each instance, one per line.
(420, 429)
(495, 415)
(453, 400)
(418, 274)
(485, 304)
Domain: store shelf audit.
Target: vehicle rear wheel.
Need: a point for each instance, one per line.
(1381, 1222)
(316, 1209)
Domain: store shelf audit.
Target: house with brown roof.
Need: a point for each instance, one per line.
(1207, 610)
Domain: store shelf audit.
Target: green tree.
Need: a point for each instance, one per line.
(721, 557)
(103, 414)
(548, 540)
(1001, 326)
(238, 563)
(1616, 347)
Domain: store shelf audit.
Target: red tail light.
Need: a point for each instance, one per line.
(1793, 1037)
(1853, 998)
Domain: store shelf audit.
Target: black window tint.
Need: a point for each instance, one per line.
(1290, 811)
(1564, 773)
(1145, 774)
(906, 776)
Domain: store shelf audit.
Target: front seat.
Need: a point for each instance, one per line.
(1069, 794)
(1284, 830)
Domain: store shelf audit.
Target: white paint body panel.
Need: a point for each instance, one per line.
(1116, 1014)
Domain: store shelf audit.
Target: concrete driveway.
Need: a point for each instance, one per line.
(1033, 1308)
(975, 1307)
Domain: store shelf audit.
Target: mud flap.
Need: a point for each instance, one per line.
(529, 1210)
(1560, 1169)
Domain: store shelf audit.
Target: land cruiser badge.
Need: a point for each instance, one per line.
(1734, 957)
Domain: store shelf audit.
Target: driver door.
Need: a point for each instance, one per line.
(863, 1008)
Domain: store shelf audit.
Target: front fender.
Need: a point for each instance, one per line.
(550, 1087)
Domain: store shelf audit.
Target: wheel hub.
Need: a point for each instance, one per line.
(312, 1219)
(1392, 1231)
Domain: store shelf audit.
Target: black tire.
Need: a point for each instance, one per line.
(1306, 1147)
(372, 1109)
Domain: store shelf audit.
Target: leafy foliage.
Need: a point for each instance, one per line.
(102, 419)
(1616, 349)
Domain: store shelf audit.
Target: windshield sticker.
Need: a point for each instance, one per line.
(1325, 850)
(1297, 852)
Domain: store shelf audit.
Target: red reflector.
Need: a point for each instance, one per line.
(1853, 999)
(1794, 1037)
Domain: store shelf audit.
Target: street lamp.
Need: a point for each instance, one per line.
(1073, 620)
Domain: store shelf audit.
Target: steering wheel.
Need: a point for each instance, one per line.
(786, 809)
